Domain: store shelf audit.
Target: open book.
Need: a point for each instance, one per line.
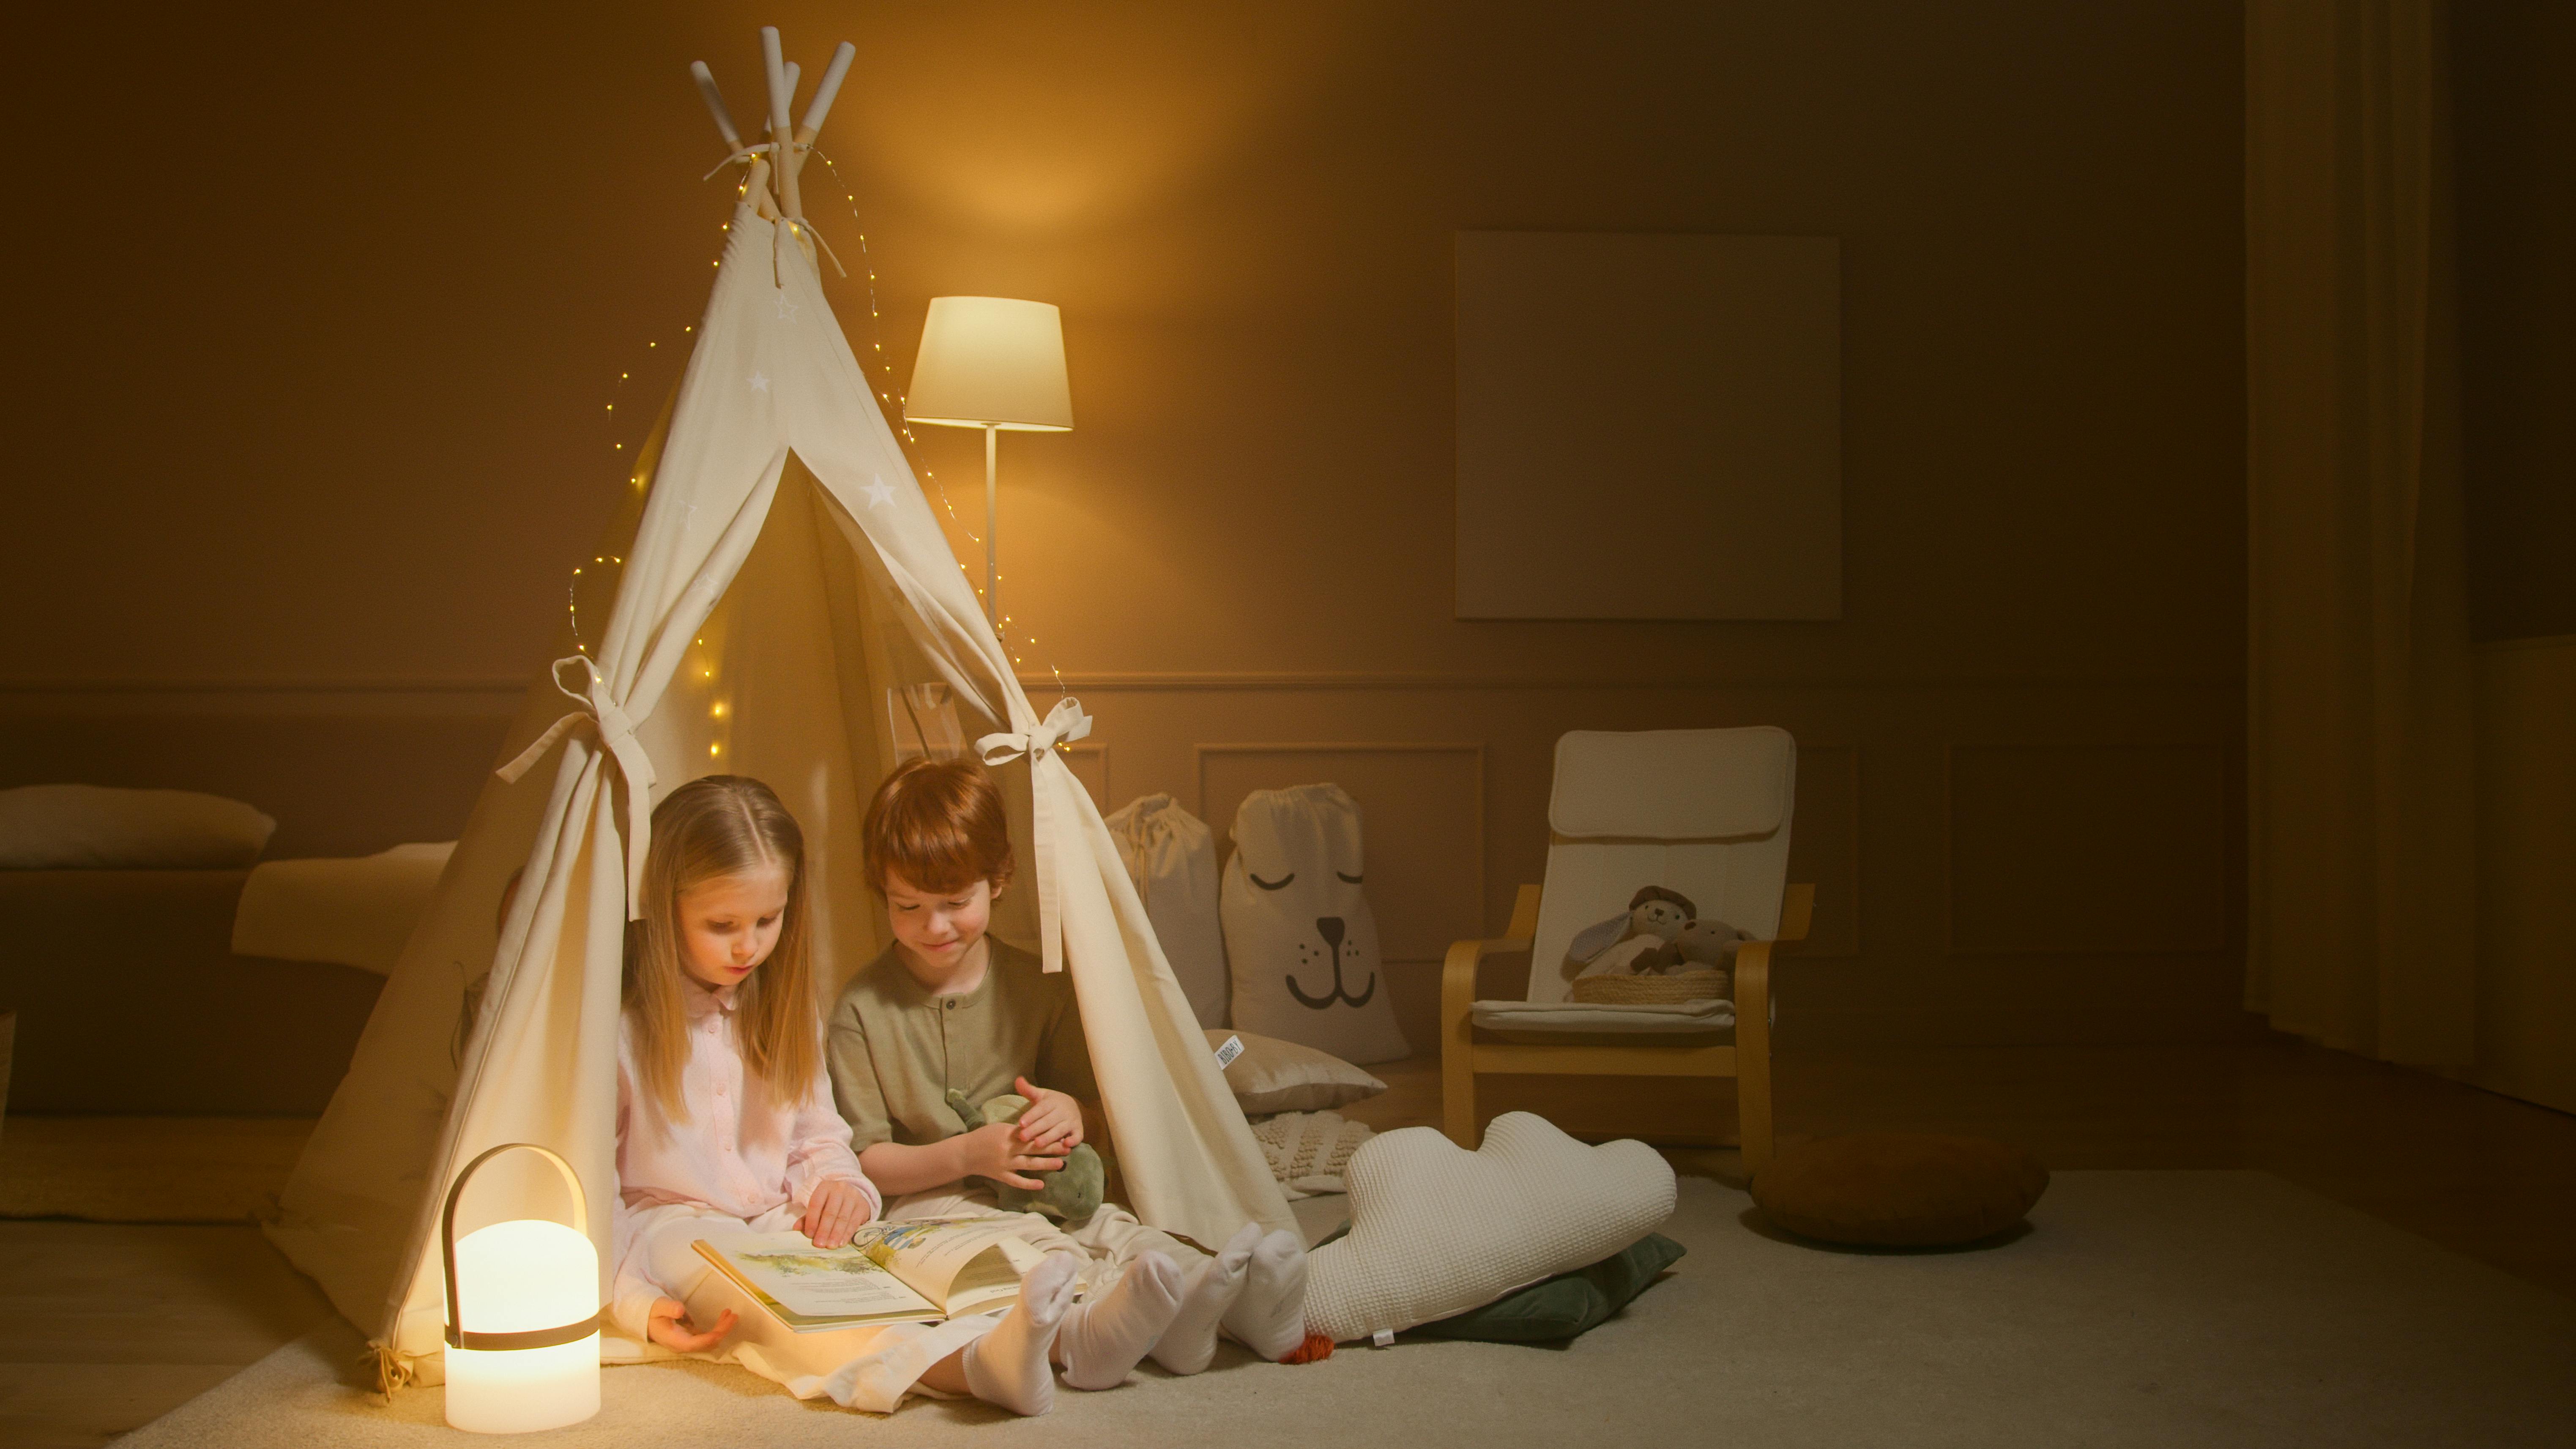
(906, 1272)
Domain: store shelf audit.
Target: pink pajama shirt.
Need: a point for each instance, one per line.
(740, 1156)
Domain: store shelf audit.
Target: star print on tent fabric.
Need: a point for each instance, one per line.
(786, 309)
(880, 492)
(760, 382)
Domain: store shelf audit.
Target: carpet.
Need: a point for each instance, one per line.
(2142, 1308)
(146, 1169)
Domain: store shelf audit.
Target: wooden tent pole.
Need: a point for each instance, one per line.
(782, 135)
(825, 92)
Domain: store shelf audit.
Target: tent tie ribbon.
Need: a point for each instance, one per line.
(616, 732)
(1063, 724)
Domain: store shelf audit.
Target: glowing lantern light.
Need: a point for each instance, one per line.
(522, 1315)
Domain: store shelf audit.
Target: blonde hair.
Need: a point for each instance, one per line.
(709, 829)
(939, 825)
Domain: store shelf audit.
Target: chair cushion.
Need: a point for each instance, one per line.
(1899, 1189)
(1694, 1023)
(1437, 1230)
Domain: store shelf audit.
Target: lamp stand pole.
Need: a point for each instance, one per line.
(992, 546)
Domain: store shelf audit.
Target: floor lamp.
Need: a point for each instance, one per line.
(996, 364)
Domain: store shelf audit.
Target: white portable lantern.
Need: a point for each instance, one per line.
(523, 1315)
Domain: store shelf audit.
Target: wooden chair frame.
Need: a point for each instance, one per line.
(1462, 1056)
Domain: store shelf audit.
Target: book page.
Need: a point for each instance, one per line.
(961, 1264)
(816, 1283)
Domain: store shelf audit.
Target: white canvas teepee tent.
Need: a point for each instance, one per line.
(785, 576)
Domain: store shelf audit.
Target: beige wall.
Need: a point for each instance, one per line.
(325, 359)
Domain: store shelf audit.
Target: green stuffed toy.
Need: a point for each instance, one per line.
(1072, 1192)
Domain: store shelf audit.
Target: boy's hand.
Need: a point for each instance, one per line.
(669, 1327)
(835, 1211)
(1053, 1122)
(997, 1152)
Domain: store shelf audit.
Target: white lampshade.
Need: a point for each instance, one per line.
(521, 1276)
(991, 362)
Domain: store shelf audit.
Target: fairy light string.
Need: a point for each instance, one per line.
(890, 395)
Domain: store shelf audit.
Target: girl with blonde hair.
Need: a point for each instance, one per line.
(723, 1112)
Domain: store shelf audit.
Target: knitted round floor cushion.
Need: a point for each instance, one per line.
(1310, 1151)
(1437, 1230)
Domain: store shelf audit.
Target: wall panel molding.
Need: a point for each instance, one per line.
(1424, 803)
(1833, 868)
(1090, 765)
(1183, 681)
(1471, 831)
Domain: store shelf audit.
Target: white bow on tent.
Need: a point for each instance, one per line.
(768, 645)
(1063, 724)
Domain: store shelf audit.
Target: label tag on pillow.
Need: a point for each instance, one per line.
(1383, 1337)
(1226, 1054)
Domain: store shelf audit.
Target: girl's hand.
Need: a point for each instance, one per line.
(835, 1211)
(996, 1152)
(1053, 1122)
(669, 1327)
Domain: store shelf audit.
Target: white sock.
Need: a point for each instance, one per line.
(1008, 1366)
(1269, 1315)
(1103, 1339)
(1212, 1286)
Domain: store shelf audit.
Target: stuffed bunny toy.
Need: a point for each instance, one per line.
(1703, 945)
(1072, 1192)
(1652, 923)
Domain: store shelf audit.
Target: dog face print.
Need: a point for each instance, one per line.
(1301, 941)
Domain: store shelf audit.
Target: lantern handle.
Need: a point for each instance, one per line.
(457, 1336)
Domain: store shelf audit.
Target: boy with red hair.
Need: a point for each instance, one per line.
(948, 1007)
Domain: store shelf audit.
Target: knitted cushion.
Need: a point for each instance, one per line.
(1310, 1151)
(1437, 1230)
(1899, 1189)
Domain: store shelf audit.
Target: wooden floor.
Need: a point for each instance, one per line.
(105, 1326)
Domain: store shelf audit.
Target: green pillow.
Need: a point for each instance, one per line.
(1565, 1305)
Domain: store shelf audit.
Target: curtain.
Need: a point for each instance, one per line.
(2359, 763)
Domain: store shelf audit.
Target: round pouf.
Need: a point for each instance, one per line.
(1899, 1189)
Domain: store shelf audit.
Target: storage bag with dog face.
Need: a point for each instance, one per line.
(1171, 855)
(1300, 941)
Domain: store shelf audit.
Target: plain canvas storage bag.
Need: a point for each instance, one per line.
(1300, 941)
(1171, 856)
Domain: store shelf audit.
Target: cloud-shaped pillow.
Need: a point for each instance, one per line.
(1437, 1230)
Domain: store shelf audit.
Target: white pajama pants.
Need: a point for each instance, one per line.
(858, 1368)
(1108, 1241)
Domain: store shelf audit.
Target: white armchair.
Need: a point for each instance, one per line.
(1702, 812)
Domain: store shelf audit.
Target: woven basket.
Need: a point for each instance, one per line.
(1650, 990)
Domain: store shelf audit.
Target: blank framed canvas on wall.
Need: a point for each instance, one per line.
(1649, 426)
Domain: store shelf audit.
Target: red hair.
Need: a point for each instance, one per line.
(939, 826)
